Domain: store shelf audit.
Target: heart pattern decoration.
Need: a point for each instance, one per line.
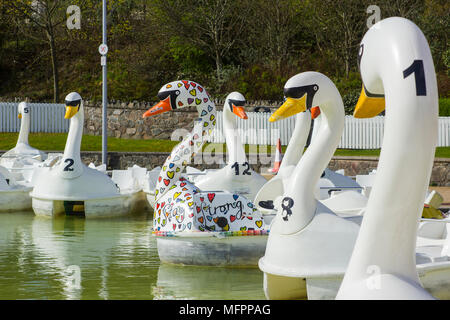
(180, 206)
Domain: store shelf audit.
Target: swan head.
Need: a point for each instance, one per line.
(73, 103)
(235, 103)
(302, 92)
(22, 108)
(180, 94)
(371, 100)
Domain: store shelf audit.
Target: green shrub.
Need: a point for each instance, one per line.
(444, 107)
(350, 99)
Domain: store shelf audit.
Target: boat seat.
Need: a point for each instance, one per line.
(190, 170)
(431, 229)
(366, 180)
(138, 172)
(123, 179)
(429, 254)
(4, 185)
(7, 179)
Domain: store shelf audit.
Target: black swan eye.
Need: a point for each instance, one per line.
(74, 103)
(237, 103)
(163, 95)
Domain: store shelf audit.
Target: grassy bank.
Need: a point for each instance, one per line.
(57, 141)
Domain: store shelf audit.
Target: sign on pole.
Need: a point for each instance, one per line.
(103, 50)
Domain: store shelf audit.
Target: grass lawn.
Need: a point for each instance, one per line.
(57, 141)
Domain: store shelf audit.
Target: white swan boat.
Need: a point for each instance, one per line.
(385, 263)
(193, 226)
(237, 176)
(23, 150)
(306, 238)
(22, 159)
(17, 167)
(406, 78)
(70, 187)
(291, 266)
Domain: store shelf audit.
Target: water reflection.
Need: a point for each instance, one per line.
(74, 258)
(206, 283)
(71, 258)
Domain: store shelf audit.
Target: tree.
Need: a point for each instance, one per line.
(273, 26)
(339, 27)
(212, 25)
(46, 16)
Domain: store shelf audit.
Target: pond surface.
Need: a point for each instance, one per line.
(74, 258)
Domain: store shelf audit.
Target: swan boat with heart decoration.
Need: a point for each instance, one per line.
(194, 226)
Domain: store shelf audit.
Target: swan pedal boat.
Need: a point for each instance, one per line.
(17, 167)
(193, 226)
(71, 187)
(23, 152)
(307, 258)
(22, 159)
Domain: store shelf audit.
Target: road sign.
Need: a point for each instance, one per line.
(103, 49)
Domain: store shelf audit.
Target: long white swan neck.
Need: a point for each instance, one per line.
(297, 142)
(73, 146)
(387, 237)
(235, 149)
(314, 161)
(183, 153)
(25, 126)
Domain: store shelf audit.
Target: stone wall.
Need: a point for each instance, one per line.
(440, 175)
(125, 119)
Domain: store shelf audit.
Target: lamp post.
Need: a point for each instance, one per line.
(103, 49)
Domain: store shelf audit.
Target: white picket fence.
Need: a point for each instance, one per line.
(358, 133)
(45, 117)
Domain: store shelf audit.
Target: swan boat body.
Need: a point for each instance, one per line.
(236, 177)
(17, 166)
(299, 272)
(386, 263)
(406, 78)
(194, 226)
(23, 149)
(22, 159)
(70, 187)
(306, 238)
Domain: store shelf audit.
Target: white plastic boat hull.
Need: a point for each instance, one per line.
(94, 208)
(435, 278)
(15, 200)
(236, 251)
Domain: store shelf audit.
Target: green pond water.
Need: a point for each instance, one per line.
(74, 258)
